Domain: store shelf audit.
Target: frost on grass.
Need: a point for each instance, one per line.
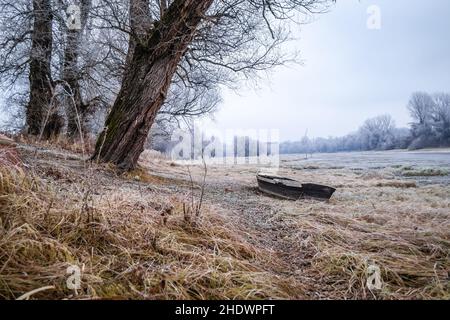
(395, 225)
(425, 172)
(127, 244)
(132, 239)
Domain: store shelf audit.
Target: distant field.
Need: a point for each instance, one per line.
(431, 166)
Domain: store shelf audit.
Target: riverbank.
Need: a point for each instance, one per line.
(141, 235)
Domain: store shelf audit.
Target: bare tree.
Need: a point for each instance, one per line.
(16, 21)
(40, 77)
(156, 52)
(420, 107)
(15, 43)
(378, 133)
(84, 68)
(229, 41)
(441, 117)
(189, 34)
(77, 109)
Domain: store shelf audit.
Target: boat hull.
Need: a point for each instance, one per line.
(317, 191)
(293, 190)
(271, 187)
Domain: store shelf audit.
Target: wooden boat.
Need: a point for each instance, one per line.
(291, 189)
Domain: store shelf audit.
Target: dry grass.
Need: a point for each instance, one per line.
(426, 172)
(150, 155)
(61, 142)
(141, 174)
(130, 247)
(414, 264)
(405, 232)
(9, 156)
(375, 218)
(396, 184)
(135, 242)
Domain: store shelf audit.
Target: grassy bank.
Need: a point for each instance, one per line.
(128, 246)
(134, 237)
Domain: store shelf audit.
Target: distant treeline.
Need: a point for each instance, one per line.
(430, 128)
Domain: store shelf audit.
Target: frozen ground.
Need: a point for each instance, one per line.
(411, 165)
(391, 210)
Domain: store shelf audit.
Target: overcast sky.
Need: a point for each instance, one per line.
(350, 72)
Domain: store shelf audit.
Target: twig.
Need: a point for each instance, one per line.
(27, 295)
(205, 173)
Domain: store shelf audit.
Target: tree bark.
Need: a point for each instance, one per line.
(41, 87)
(77, 111)
(141, 23)
(162, 7)
(154, 61)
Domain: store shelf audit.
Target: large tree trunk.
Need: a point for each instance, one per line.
(77, 111)
(141, 23)
(150, 70)
(162, 7)
(41, 87)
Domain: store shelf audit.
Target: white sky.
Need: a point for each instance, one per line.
(350, 73)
